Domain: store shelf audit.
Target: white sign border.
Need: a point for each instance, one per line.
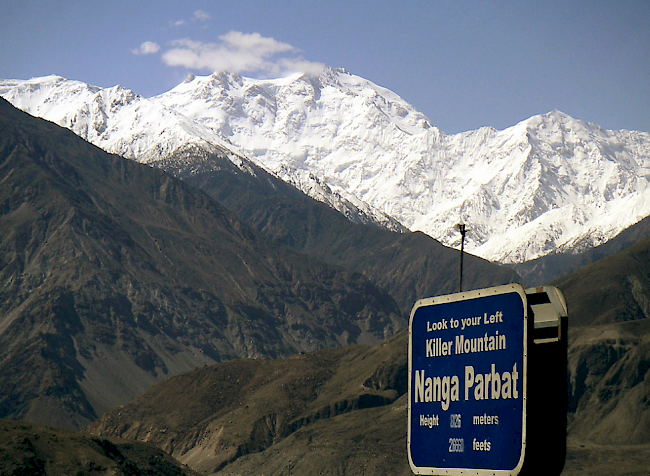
(465, 296)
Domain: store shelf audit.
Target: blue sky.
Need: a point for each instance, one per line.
(463, 64)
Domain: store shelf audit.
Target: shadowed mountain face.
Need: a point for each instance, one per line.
(27, 449)
(115, 276)
(614, 289)
(609, 348)
(343, 411)
(409, 266)
(333, 411)
(609, 389)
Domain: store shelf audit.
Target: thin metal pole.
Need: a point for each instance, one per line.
(463, 230)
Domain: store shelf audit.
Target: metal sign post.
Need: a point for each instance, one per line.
(463, 231)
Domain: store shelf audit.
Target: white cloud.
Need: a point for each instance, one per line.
(299, 65)
(238, 52)
(147, 48)
(201, 15)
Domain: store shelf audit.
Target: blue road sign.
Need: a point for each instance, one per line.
(467, 383)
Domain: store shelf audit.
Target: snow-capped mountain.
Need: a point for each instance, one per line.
(122, 122)
(548, 183)
(115, 119)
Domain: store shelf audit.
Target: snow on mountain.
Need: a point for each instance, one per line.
(122, 122)
(549, 183)
(337, 129)
(115, 119)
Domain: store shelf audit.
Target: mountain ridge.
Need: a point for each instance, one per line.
(364, 141)
(408, 265)
(116, 275)
(332, 425)
(548, 183)
(124, 123)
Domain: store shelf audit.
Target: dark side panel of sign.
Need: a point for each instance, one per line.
(467, 381)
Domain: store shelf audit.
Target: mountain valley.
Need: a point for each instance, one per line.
(116, 276)
(236, 293)
(343, 411)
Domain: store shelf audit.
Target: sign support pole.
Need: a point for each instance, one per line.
(462, 229)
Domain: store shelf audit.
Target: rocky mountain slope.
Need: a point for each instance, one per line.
(116, 275)
(609, 348)
(546, 184)
(306, 414)
(343, 411)
(408, 266)
(27, 449)
(550, 182)
(338, 429)
(352, 418)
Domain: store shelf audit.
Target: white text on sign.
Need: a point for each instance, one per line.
(465, 322)
(492, 385)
